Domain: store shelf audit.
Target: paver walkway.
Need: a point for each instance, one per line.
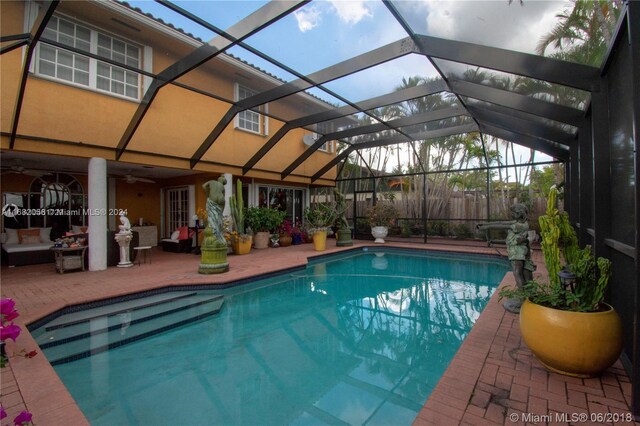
(492, 378)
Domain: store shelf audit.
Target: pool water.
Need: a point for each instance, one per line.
(361, 338)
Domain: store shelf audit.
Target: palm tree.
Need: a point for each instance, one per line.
(584, 32)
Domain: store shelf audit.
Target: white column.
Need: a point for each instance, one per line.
(228, 192)
(98, 217)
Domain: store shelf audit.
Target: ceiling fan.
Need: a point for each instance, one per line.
(18, 168)
(133, 179)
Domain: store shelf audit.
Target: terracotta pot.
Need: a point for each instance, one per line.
(261, 240)
(285, 240)
(579, 344)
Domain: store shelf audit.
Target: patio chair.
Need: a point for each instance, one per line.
(180, 241)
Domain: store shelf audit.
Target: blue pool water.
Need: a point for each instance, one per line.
(359, 338)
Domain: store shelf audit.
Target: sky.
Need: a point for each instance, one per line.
(325, 32)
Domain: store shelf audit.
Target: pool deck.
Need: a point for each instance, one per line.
(493, 379)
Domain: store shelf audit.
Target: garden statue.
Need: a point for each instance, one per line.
(214, 248)
(126, 225)
(343, 238)
(124, 238)
(518, 249)
(215, 206)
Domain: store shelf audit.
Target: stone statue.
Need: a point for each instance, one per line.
(126, 225)
(124, 238)
(215, 206)
(518, 249)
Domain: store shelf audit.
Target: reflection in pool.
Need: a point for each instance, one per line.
(358, 338)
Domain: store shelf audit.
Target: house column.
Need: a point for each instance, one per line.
(228, 192)
(97, 180)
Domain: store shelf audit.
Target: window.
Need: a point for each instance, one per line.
(78, 69)
(288, 200)
(250, 120)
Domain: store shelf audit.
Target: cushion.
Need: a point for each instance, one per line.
(30, 239)
(12, 236)
(76, 229)
(175, 236)
(23, 232)
(45, 235)
(184, 233)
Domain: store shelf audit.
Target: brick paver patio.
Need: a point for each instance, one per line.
(493, 378)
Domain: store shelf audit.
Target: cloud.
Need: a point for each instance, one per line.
(351, 11)
(308, 18)
(490, 23)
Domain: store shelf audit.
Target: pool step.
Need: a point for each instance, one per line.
(119, 308)
(87, 338)
(114, 308)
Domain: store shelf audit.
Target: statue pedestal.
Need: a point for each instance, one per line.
(344, 237)
(213, 260)
(123, 239)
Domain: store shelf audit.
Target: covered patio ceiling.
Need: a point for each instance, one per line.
(464, 72)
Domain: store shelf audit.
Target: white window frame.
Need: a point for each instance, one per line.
(263, 120)
(144, 55)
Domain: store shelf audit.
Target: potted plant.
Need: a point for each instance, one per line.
(238, 238)
(319, 219)
(380, 217)
(565, 322)
(262, 221)
(285, 232)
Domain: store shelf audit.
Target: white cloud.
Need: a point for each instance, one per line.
(308, 18)
(491, 23)
(351, 11)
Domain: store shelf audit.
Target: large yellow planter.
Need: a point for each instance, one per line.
(320, 240)
(242, 245)
(580, 344)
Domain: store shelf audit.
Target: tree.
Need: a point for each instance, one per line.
(583, 32)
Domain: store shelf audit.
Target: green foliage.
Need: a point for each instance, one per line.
(592, 278)
(236, 203)
(320, 216)
(382, 214)
(462, 231)
(264, 219)
(591, 275)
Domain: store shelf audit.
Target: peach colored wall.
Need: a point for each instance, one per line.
(140, 200)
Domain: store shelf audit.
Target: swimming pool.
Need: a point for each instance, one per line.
(355, 338)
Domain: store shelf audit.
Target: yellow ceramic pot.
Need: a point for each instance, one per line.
(580, 344)
(242, 245)
(320, 240)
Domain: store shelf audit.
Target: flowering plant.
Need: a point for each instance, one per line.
(382, 214)
(22, 419)
(202, 216)
(289, 228)
(8, 330)
(233, 237)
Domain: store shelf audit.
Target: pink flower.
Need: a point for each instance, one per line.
(3, 413)
(10, 331)
(7, 309)
(22, 418)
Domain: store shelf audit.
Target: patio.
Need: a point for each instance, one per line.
(493, 378)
